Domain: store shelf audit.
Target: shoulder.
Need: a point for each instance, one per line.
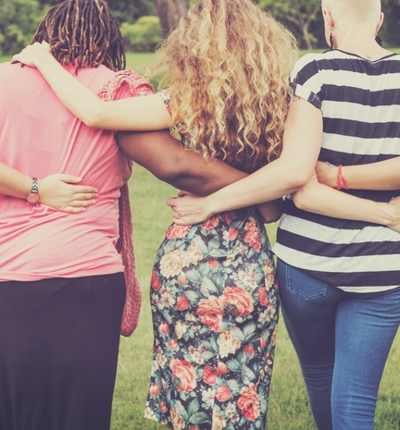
(125, 83)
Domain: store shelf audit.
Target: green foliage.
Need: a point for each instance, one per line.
(18, 22)
(297, 15)
(142, 36)
(128, 11)
(390, 32)
(304, 19)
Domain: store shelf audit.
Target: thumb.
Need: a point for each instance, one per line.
(171, 201)
(69, 179)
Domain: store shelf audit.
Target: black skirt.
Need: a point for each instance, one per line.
(59, 341)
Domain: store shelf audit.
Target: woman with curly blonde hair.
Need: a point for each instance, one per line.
(213, 292)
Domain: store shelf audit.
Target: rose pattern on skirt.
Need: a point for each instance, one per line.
(215, 310)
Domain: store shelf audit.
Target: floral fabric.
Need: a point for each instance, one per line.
(215, 309)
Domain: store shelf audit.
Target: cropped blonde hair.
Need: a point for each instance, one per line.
(227, 66)
(348, 11)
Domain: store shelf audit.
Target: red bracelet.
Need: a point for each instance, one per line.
(341, 181)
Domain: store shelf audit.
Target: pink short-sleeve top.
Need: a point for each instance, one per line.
(40, 137)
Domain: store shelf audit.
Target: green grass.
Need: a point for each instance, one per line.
(4, 58)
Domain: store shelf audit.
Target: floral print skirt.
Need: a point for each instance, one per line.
(215, 310)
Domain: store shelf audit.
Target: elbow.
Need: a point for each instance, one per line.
(307, 197)
(175, 169)
(92, 117)
(296, 181)
(168, 174)
(272, 218)
(300, 199)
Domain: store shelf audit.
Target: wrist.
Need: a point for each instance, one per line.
(331, 177)
(33, 196)
(43, 58)
(210, 206)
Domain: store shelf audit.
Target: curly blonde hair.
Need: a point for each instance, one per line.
(227, 65)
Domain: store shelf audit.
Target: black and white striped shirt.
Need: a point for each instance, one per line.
(360, 104)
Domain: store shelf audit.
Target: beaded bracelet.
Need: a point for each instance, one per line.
(341, 181)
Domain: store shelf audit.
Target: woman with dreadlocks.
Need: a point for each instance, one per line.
(62, 286)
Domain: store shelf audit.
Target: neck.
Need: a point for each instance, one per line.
(360, 41)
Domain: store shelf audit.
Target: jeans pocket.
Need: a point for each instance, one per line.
(300, 284)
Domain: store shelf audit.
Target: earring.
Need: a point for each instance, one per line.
(378, 40)
(331, 41)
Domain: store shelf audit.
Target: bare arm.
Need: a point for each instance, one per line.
(14, 183)
(57, 191)
(383, 175)
(301, 145)
(169, 161)
(286, 175)
(321, 199)
(135, 113)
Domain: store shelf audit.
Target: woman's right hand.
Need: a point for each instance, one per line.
(31, 54)
(61, 192)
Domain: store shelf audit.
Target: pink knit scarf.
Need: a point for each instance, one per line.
(138, 87)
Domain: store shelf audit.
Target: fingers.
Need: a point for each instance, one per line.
(15, 59)
(77, 206)
(29, 53)
(83, 192)
(172, 202)
(177, 220)
(69, 179)
(73, 210)
(83, 202)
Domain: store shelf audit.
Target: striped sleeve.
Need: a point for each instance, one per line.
(306, 80)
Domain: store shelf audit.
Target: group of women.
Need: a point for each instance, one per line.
(329, 141)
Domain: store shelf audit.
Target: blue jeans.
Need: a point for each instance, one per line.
(342, 341)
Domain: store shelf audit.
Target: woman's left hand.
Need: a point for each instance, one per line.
(63, 192)
(31, 54)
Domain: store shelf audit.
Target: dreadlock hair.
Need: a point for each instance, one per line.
(83, 32)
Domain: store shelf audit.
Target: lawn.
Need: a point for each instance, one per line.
(288, 408)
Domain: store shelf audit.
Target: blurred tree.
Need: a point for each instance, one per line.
(128, 11)
(390, 32)
(18, 22)
(298, 15)
(143, 35)
(170, 12)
